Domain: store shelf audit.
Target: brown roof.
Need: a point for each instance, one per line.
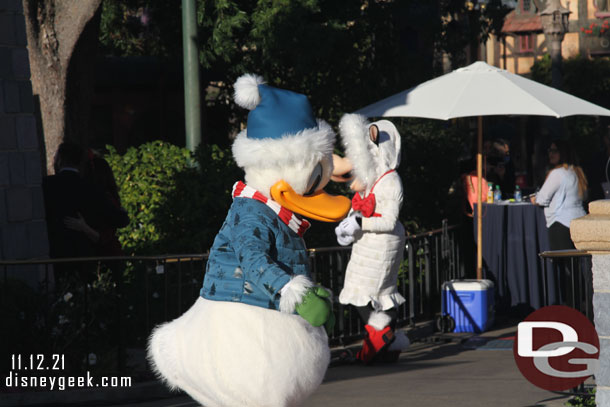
(521, 23)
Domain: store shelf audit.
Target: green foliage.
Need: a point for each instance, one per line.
(344, 54)
(174, 205)
(588, 79)
(541, 70)
(585, 78)
(466, 26)
(141, 27)
(583, 401)
(145, 177)
(222, 23)
(429, 165)
(195, 209)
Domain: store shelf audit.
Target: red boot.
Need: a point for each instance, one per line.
(374, 342)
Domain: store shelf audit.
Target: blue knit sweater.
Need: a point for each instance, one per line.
(253, 256)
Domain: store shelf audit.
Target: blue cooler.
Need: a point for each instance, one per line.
(470, 303)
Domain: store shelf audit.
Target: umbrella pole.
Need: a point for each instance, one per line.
(479, 200)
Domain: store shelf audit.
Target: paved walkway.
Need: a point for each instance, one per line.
(448, 370)
(431, 375)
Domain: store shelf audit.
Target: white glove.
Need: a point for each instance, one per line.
(349, 226)
(347, 230)
(344, 240)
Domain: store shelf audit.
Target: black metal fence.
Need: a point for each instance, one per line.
(95, 312)
(568, 280)
(98, 312)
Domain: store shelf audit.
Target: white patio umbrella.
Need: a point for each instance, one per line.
(481, 90)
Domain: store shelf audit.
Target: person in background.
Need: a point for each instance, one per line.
(464, 198)
(500, 169)
(562, 195)
(67, 195)
(97, 172)
(470, 186)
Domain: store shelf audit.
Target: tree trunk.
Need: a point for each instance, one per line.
(62, 40)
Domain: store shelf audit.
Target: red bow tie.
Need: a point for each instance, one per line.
(366, 206)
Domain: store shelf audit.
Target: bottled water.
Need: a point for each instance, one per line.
(518, 197)
(497, 194)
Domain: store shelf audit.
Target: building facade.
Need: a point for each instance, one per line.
(522, 41)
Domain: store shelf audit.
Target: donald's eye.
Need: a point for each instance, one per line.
(314, 180)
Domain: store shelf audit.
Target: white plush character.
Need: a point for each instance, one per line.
(372, 155)
(256, 334)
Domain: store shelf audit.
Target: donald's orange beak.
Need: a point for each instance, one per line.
(319, 206)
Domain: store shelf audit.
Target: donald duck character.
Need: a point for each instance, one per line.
(372, 156)
(256, 334)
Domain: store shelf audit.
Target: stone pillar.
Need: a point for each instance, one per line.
(23, 230)
(592, 233)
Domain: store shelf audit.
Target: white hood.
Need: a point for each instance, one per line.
(370, 161)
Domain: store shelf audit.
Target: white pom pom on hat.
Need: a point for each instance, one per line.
(281, 130)
(246, 92)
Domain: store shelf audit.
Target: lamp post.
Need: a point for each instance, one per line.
(554, 20)
(192, 97)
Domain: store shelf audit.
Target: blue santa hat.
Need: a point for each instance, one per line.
(281, 127)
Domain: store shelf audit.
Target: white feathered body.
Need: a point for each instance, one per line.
(232, 354)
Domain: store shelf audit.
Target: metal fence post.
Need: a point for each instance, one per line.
(411, 284)
(427, 271)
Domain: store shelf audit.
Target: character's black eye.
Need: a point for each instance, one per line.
(314, 180)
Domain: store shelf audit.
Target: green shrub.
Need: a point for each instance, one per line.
(174, 205)
(195, 209)
(145, 177)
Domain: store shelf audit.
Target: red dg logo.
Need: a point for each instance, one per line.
(556, 348)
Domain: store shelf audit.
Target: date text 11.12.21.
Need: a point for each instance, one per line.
(37, 362)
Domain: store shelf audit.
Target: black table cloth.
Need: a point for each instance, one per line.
(513, 236)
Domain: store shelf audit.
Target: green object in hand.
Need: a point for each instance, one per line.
(315, 307)
(330, 322)
(321, 292)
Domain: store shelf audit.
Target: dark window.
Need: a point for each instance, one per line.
(526, 5)
(525, 43)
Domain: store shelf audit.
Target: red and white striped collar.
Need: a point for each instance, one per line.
(298, 226)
